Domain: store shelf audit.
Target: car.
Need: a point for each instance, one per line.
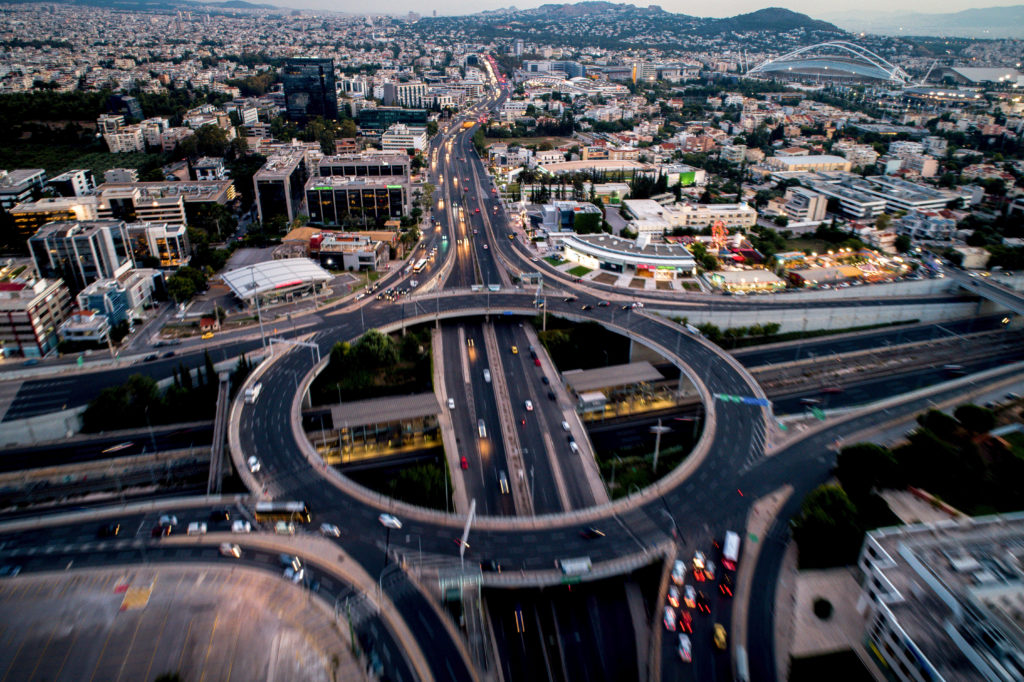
(670, 619)
(109, 530)
(673, 596)
(477, 210)
(686, 621)
(625, 307)
(529, 405)
(485, 247)
(207, 336)
(463, 462)
(698, 562)
(169, 354)
(329, 530)
(503, 482)
(565, 426)
(197, 528)
(150, 358)
(702, 603)
(451, 403)
(536, 362)
(481, 428)
(685, 648)
(586, 307)
(544, 380)
(390, 521)
(720, 638)
(551, 395)
(690, 597)
(218, 515)
(295, 576)
(515, 350)
(30, 362)
(230, 549)
(490, 565)
(573, 448)
(638, 304)
(9, 571)
(678, 572)
(709, 570)
(284, 528)
(241, 527)
(160, 531)
(569, 299)
(725, 584)
(254, 464)
(591, 533)
(168, 520)
(603, 304)
(487, 375)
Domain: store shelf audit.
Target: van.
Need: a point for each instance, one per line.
(487, 375)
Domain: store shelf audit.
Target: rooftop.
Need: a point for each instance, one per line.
(383, 410)
(193, 191)
(584, 380)
(262, 278)
(332, 181)
(619, 245)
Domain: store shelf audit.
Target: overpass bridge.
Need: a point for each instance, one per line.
(990, 288)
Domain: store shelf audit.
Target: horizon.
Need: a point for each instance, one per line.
(808, 7)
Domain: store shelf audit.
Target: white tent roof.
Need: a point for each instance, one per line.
(261, 278)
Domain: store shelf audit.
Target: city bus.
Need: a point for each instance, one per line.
(420, 264)
(282, 511)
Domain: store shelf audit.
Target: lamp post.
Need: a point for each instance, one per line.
(259, 314)
(390, 523)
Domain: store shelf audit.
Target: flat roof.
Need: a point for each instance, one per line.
(619, 246)
(388, 409)
(585, 380)
(262, 278)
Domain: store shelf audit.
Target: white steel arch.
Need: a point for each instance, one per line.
(893, 73)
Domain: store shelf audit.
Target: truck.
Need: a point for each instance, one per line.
(252, 393)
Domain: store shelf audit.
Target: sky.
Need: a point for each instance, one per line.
(814, 8)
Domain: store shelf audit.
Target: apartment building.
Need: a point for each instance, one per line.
(19, 185)
(401, 137)
(31, 312)
(412, 94)
(74, 183)
(126, 140)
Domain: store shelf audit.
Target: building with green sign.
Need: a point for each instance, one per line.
(357, 202)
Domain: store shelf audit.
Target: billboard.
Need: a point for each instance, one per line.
(687, 179)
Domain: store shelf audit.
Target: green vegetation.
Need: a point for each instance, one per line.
(583, 345)
(744, 337)
(420, 484)
(58, 158)
(553, 260)
(632, 466)
(374, 366)
(578, 271)
(138, 402)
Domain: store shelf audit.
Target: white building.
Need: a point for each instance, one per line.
(401, 137)
(126, 140)
(650, 216)
(804, 205)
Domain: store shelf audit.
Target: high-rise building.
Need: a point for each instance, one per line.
(81, 251)
(74, 183)
(337, 200)
(29, 216)
(20, 184)
(31, 312)
(380, 119)
(309, 89)
(279, 185)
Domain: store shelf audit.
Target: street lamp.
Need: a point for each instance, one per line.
(390, 523)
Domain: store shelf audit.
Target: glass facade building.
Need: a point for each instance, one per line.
(309, 89)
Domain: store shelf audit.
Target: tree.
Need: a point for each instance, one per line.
(375, 350)
(902, 243)
(883, 221)
(827, 530)
(974, 418)
(183, 284)
(587, 223)
(864, 466)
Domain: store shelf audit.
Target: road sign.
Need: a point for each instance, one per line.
(818, 413)
(753, 538)
(745, 399)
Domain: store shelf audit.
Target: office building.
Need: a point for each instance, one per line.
(804, 205)
(560, 216)
(806, 162)
(166, 243)
(74, 183)
(29, 216)
(31, 312)
(365, 165)
(340, 200)
(379, 119)
(309, 89)
(641, 257)
(19, 185)
(280, 184)
(161, 202)
(647, 215)
(412, 94)
(349, 251)
(401, 137)
(122, 299)
(81, 251)
(943, 600)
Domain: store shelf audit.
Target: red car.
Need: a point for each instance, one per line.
(536, 361)
(477, 211)
(464, 462)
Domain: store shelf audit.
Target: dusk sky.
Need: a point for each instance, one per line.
(812, 7)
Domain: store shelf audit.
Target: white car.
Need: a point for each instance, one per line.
(529, 406)
(241, 527)
(451, 403)
(690, 597)
(330, 530)
(197, 528)
(678, 572)
(254, 464)
(565, 426)
(670, 619)
(293, 575)
(685, 648)
(229, 549)
(389, 521)
(168, 520)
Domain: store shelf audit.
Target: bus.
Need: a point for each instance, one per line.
(577, 566)
(730, 550)
(420, 264)
(282, 511)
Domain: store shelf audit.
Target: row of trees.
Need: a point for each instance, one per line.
(949, 456)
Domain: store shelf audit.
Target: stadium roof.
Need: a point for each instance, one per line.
(269, 276)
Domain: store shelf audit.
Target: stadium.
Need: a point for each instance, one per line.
(831, 61)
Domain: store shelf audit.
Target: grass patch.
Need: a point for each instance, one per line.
(690, 286)
(579, 271)
(554, 260)
(531, 141)
(815, 245)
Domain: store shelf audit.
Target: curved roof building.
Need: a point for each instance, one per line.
(276, 279)
(834, 60)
